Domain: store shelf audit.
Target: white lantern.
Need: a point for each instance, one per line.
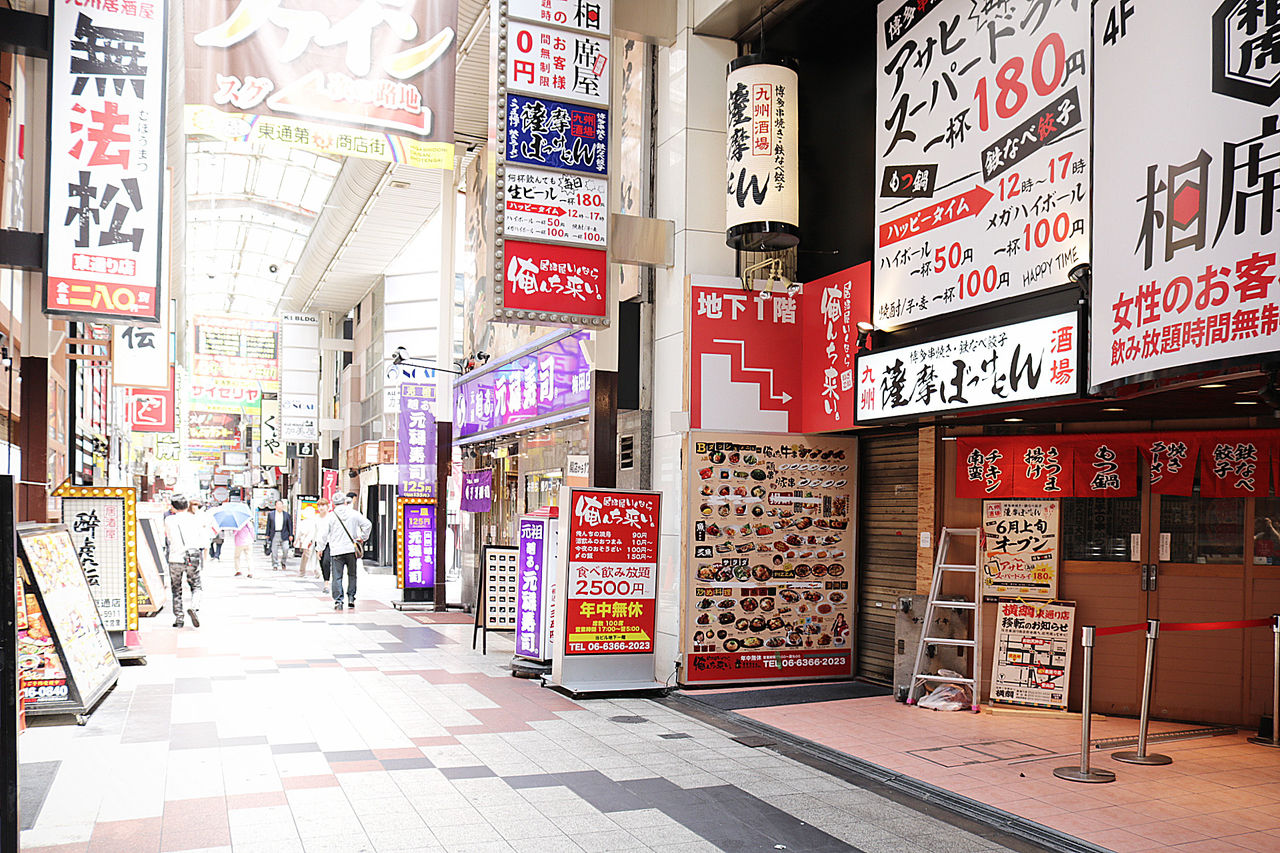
(762, 193)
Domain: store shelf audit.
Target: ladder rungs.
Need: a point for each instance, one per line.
(944, 678)
(955, 567)
(947, 641)
(955, 605)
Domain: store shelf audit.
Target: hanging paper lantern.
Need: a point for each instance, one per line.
(762, 197)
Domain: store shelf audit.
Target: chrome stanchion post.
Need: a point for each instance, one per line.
(1141, 756)
(1084, 773)
(1274, 740)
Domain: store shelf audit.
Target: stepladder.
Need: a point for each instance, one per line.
(944, 567)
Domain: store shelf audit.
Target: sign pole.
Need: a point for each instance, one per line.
(9, 708)
(1084, 773)
(1141, 756)
(1274, 740)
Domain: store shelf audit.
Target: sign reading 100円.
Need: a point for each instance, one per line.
(982, 153)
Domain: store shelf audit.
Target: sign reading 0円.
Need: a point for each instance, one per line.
(106, 165)
(982, 147)
(612, 591)
(1032, 657)
(768, 592)
(1187, 267)
(1020, 548)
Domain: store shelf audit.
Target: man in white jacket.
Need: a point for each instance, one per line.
(346, 528)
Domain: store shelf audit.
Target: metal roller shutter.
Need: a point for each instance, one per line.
(886, 545)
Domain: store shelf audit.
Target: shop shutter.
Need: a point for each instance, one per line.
(886, 545)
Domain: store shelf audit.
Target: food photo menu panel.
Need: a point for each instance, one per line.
(768, 581)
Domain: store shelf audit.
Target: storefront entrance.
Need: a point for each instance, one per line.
(1177, 559)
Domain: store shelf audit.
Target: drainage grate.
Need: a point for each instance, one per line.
(675, 736)
(754, 741)
(1155, 737)
(629, 719)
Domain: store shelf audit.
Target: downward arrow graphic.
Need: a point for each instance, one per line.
(742, 346)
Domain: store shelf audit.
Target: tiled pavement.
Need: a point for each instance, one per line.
(281, 725)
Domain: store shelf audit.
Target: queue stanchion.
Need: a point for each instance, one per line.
(1140, 756)
(1085, 773)
(1274, 740)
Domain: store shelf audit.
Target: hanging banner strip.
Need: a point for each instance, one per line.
(1187, 626)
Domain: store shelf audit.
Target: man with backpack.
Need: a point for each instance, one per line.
(184, 535)
(345, 536)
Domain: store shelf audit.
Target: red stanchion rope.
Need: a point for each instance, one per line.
(1186, 626)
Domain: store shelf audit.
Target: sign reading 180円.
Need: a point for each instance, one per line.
(982, 153)
(556, 206)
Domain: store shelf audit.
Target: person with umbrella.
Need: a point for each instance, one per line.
(238, 517)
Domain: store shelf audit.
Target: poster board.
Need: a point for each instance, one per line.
(66, 661)
(415, 543)
(1020, 548)
(769, 585)
(1032, 656)
(153, 595)
(103, 524)
(501, 562)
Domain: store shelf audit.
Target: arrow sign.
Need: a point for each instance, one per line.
(936, 215)
(742, 347)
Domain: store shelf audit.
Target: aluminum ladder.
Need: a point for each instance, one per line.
(940, 569)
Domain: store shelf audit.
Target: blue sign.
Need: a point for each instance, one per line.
(542, 132)
(551, 379)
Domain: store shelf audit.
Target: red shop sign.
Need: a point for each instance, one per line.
(151, 409)
(543, 283)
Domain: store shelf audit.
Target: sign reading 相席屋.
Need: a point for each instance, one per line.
(982, 152)
(106, 133)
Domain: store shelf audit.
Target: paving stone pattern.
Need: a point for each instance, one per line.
(281, 725)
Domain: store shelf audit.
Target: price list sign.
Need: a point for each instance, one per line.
(612, 572)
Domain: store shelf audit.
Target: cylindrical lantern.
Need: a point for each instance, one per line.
(762, 198)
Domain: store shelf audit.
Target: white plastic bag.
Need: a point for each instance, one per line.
(947, 697)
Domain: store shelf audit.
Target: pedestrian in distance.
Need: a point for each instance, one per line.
(183, 536)
(344, 537)
(311, 533)
(280, 535)
(243, 540)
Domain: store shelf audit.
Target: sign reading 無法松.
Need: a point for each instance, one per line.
(982, 152)
(1018, 363)
(106, 136)
(1186, 268)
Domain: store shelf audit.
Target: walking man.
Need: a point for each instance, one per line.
(280, 535)
(345, 536)
(182, 533)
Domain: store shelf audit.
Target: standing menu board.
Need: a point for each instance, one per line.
(1020, 549)
(535, 591)
(65, 659)
(501, 562)
(1032, 663)
(103, 526)
(768, 590)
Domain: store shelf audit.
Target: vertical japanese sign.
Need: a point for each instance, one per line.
(762, 187)
(612, 593)
(152, 410)
(775, 362)
(1032, 658)
(103, 251)
(415, 544)
(1021, 362)
(416, 440)
(140, 354)
(477, 491)
(300, 377)
(556, 271)
(271, 442)
(103, 526)
(535, 593)
(982, 152)
(1186, 270)
(342, 77)
(1020, 550)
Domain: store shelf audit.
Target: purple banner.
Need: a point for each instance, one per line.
(551, 379)
(417, 545)
(531, 594)
(477, 491)
(416, 441)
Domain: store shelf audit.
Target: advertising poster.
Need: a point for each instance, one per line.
(1020, 549)
(477, 491)
(103, 247)
(1017, 363)
(236, 348)
(1032, 659)
(612, 592)
(542, 132)
(416, 440)
(775, 362)
(340, 76)
(769, 578)
(103, 527)
(65, 658)
(556, 206)
(1186, 270)
(415, 544)
(213, 428)
(554, 280)
(501, 565)
(982, 152)
(535, 589)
